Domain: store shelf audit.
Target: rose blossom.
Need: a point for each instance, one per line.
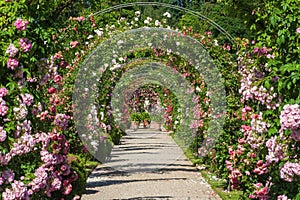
(166, 14)
(20, 190)
(11, 50)
(290, 117)
(79, 19)
(275, 151)
(261, 168)
(260, 192)
(282, 197)
(12, 63)
(289, 170)
(21, 24)
(27, 99)
(58, 55)
(20, 112)
(61, 120)
(8, 175)
(56, 184)
(296, 135)
(51, 90)
(63, 64)
(1, 180)
(67, 187)
(74, 44)
(3, 92)
(25, 44)
(67, 190)
(57, 78)
(2, 134)
(3, 107)
(76, 197)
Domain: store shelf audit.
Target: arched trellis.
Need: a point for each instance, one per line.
(153, 73)
(196, 14)
(190, 49)
(90, 71)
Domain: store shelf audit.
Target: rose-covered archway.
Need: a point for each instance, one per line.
(41, 59)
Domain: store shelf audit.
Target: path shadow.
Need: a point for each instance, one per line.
(117, 182)
(88, 191)
(107, 171)
(148, 198)
(124, 168)
(139, 137)
(124, 153)
(134, 148)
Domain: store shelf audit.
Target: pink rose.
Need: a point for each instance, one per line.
(67, 190)
(11, 50)
(74, 44)
(81, 18)
(2, 134)
(8, 175)
(21, 24)
(57, 78)
(12, 63)
(25, 44)
(3, 92)
(259, 163)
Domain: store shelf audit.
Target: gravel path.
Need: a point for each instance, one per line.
(147, 165)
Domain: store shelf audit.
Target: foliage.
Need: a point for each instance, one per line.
(145, 116)
(136, 117)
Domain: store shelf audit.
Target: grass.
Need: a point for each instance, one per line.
(217, 185)
(90, 166)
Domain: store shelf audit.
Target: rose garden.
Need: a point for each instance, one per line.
(76, 74)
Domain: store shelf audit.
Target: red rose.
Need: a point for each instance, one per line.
(51, 90)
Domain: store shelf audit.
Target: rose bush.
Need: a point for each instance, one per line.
(36, 113)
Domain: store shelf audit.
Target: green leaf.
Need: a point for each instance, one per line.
(273, 20)
(267, 84)
(280, 40)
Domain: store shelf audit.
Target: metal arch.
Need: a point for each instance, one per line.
(211, 22)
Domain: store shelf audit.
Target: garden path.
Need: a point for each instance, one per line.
(147, 165)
